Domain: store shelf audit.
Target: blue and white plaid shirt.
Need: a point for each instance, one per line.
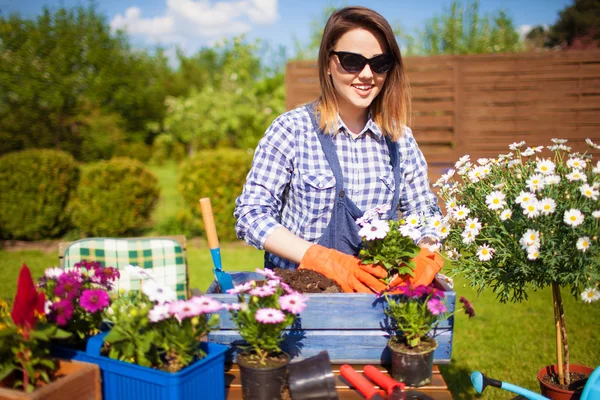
(291, 184)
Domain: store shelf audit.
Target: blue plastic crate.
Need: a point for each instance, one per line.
(125, 381)
(350, 326)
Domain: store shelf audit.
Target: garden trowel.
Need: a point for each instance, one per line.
(223, 278)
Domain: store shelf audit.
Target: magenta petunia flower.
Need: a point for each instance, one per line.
(93, 300)
(294, 303)
(436, 307)
(269, 316)
(68, 286)
(62, 311)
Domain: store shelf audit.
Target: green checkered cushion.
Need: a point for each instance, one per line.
(163, 259)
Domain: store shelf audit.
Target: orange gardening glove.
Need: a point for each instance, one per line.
(347, 271)
(427, 264)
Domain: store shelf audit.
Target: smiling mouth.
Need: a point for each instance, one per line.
(363, 87)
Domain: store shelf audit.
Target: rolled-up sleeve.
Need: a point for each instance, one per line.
(258, 208)
(417, 197)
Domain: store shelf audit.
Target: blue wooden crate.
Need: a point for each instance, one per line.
(350, 326)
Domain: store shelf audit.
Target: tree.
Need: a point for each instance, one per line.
(578, 26)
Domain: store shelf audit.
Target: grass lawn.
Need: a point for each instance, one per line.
(509, 342)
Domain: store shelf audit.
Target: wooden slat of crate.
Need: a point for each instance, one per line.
(437, 389)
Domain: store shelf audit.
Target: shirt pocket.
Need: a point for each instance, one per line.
(317, 191)
(389, 184)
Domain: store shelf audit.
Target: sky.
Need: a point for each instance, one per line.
(193, 24)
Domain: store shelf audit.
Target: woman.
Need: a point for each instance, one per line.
(321, 166)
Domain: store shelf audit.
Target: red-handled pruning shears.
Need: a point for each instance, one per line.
(394, 389)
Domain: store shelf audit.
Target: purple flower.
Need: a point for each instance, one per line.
(436, 307)
(107, 274)
(294, 303)
(468, 307)
(437, 293)
(421, 290)
(207, 305)
(286, 287)
(269, 316)
(269, 273)
(232, 307)
(62, 310)
(93, 300)
(262, 291)
(243, 288)
(68, 286)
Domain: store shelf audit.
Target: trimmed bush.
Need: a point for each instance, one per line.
(114, 198)
(35, 188)
(220, 176)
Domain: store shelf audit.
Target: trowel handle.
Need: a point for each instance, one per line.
(209, 223)
(384, 381)
(360, 383)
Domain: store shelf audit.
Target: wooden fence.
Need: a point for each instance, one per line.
(479, 104)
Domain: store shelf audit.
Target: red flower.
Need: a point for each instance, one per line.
(27, 300)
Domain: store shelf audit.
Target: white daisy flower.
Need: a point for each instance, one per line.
(436, 221)
(596, 169)
(514, 162)
(559, 141)
(485, 252)
(443, 230)
(592, 144)
(576, 163)
(473, 225)
(596, 214)
(477, 174)
(547, 206)
(468, 237)
(464, 169)
(505, 214)
(590, 294)
(531, 238)
(545, 166)
(583, 243)
(453, 254)
(576, 175)
(531, 209)
(573, 217)
(413, 220)
(411, 232)
(535, 182)
(528, 152)
(483, 161)
(462, 161)
(377, 229)
(495, 200)
(524, 197)
(449, 174)
(451, 204)
(533, 253)
(461, 212)
(552, 180)
(589, 191)
(515, 146)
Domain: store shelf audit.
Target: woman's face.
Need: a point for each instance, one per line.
(355, 91)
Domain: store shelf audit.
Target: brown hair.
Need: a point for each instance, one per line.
(391, 108)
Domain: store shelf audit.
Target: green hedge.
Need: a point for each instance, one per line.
(220, 176)
(35, 187)
(114, 198)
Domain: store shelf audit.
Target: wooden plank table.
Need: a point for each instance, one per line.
(437, 390)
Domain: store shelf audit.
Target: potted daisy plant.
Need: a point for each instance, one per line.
(523, 221)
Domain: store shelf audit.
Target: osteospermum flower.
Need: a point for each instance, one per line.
(137, 272)
(436, 307)
(158, 293)
(232, 307)
(182, 309)
(545, 167)
(262, 291)
(473, 225)
(267, 272)
(547, 206)
(461, 212)
(294, 303)
(159, 312)
(243, 288)
(269, 316)
(583, 243)
(377, 229)
(495, 200)
(411, 232)
(93, 300)
(573, 217)
(207, 304)
(589, 191)
(485, 252)
(576, 163)
(590, 294)
(505, 214)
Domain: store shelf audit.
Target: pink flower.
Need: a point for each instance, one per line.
(159, 312)
(436, 307)
(232, 307)
(269, 316)
(262, 291)
(107, 274)
(286, 287)
(294, 303)
(93, 300)
(243, 288)
(68, 286)
(184, 309)
(206, 304)
(268, 273)
(63, 310)
(421, 290)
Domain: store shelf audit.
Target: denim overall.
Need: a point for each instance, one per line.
(342, 232)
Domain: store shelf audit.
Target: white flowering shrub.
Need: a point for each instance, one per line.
(528, 219)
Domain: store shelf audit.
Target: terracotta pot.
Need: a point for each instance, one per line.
(79, 381)
(557, 393)
(412, 366)
(262, 383)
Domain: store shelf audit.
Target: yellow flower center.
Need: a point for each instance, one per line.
(573, 218)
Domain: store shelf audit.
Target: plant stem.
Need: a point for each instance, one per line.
(563, 329)
(559, 349)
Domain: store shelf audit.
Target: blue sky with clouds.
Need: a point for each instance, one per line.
(192, 24)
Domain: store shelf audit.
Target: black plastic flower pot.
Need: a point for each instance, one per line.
(262, 383)
(412, 366)
(312, 378)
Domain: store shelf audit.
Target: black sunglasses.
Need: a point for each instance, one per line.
(353, 62)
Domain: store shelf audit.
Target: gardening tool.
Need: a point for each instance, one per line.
(591, 391)
(223, 278)
(395, 390)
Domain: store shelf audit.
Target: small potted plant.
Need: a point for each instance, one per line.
(157, 344)
(526, 220)
(27, 371)
(415, 311)
(261, 315)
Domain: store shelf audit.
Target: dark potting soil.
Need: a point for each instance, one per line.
(306, 281)
(252, 360)
(578, 381)
(426, 345)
